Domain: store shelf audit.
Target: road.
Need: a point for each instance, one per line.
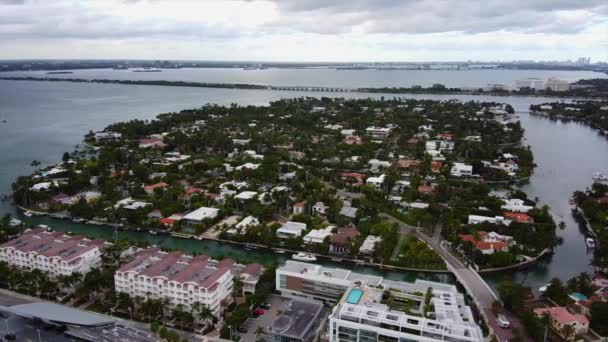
(473, 283)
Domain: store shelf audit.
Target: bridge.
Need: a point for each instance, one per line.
(320, 89)
(475, 286)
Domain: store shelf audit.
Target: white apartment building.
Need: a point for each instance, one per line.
(53, 252)
(476, 219)
(378, 132)
(180, 278)
(362, 314)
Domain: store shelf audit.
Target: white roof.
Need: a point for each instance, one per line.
(318, 234)
(248, 221)
(202, 213)
(246, 195)
(292, 228)
(369, 244)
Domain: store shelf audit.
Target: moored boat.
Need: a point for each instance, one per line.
(301, 256)
(590, 242)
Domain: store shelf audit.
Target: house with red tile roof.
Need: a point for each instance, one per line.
(488, 243)
(519, 217)
(560, 317)
(341, 241)
(149, 189)
(437, 166)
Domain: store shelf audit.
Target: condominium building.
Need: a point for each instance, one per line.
(182, 279)
(53, 252)
(369, 308)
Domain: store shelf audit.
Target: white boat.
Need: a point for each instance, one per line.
(44, 226)
(28, 213)
(77, 220)
(304, 257)
(15, 223)
(543, 289)
(590, 242)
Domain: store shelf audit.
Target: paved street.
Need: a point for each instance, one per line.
(475, 285)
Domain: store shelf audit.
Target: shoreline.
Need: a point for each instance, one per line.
(251, 246)
(317, 89)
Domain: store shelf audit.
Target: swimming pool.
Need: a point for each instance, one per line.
(354, 296)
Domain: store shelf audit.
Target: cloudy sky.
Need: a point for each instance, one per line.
(305, 30)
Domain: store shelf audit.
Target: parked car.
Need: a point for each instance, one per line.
(265, 306)
(503, 322)
(257, 312)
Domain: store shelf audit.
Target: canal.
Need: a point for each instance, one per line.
(43, 126)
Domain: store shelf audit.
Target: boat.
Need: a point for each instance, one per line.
(44, 226)
(77, 220)
(543, 288)
(590, 242)
(28, 213)
(15, 222)
(301, 256)
(153, 232)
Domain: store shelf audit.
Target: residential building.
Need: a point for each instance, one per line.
(476, 219)
(352, 140)
(199, 215)
(246, 196)
(343, 240)
(179, 278)
(376, 182)
(378, 132)
(461, 170)
(291, 229)
(560, 317)
(519, 217)
(557, 84)
(368, 247)
(299, 208)
(149, 189)
(244, 225)
(364, 315)
(376, 164)
(249, 277)
(130, 204)
(516, 205)
(298, 321)
(319, 209)
(151, 143)
(318, 236)
(53, 252)
(489, 243)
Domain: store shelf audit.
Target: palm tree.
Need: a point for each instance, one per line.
(259, 332)
(545, 320)
(568, 331)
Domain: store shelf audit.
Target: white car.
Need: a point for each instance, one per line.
(503, 322)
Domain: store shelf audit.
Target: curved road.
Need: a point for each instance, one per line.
(477, 288)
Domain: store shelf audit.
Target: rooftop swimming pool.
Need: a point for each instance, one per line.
(354, 296)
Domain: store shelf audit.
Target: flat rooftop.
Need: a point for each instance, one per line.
(297, 318)
(59, 314)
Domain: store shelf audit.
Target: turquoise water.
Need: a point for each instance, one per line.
(354, 296)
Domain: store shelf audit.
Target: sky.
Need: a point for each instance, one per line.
(305, 30)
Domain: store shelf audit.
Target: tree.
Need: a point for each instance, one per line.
(259, 332)
(599, 317)
(568, 331)
(513, 294)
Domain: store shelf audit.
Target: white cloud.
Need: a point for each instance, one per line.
(298, 30)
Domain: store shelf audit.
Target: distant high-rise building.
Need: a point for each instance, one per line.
(583, 61)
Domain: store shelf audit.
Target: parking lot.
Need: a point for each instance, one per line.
(264, 321)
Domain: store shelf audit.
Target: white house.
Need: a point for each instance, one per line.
(378, 132)
(317, 236)
(377, 182)
(201, 214)
(516, 205)
(246, 195)
(320, 209)
(369, 244)
(476, 219)
(376, 164)
(244, 225)
(291, 229)
(461, 170)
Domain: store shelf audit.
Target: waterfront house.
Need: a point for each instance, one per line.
(489, 243)
(516, 205)
(199, 215)
(560, 317)
(249, 277)
(291, 229)
(477, 219)
(368, 247)
(519, 217)
(343, 240)
(244, 225)
(318, 236)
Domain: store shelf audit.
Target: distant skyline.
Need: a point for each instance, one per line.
(305, 31)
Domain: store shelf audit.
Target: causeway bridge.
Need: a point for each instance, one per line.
(319, 89)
